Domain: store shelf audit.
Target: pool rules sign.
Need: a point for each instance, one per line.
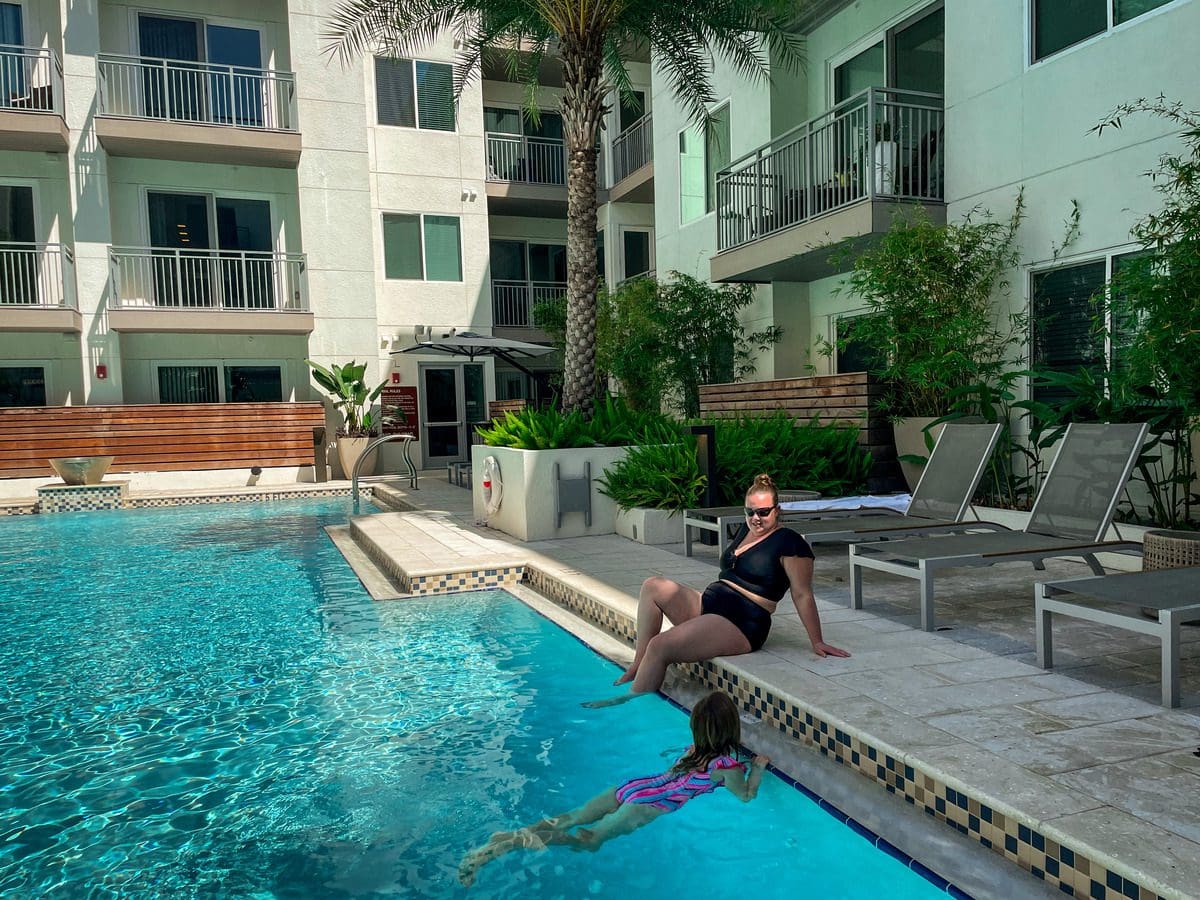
(399, 405)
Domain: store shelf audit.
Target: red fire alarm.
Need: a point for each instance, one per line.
(101, 371)
(395, 378)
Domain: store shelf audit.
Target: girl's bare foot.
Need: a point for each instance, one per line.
(627, 676)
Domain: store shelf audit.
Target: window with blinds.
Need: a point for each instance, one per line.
(414, 94)
(188, 384)
(443, 249)
(1065, 305)
(417, 247)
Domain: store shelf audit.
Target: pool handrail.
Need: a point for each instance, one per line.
(412, 470)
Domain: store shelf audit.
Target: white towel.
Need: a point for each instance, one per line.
(898, 502)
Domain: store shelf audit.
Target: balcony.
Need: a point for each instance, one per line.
(37, 288)
(211, 291)
(196, 112)
(31, 100)
(633, 164)
(527, 176)
(513, 301)
(840, 176)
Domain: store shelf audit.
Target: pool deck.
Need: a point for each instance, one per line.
(1081, 757)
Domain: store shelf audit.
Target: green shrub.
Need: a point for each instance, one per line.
(538, 429)
(661, 473)
(613, 424)
(811, 456)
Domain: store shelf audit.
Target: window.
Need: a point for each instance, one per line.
(631, 109)
(414, 94)
(1058, 24)
(600, 255)
(22, 386)
(635, 244)
(692, 199)
(1064, 303)
(421, 247)
(856, 354)
(205, 384)
(716, 155)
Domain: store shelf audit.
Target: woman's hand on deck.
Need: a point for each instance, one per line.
(823, 649)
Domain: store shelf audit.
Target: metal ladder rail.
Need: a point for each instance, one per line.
(412, 470)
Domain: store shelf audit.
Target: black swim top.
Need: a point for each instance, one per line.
(760, 569)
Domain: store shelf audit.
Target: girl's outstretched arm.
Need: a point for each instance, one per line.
(743, 786)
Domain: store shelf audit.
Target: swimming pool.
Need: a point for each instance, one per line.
(204, 700)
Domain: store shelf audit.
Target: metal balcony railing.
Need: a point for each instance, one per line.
(161, 278)
(513, 301)
(37, 275)
(31, 80)
(879, 143)
(632, 148)
(196, 93)
(526, 160)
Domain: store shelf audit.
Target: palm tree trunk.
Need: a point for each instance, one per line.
(583, 109)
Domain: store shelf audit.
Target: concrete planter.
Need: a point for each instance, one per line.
(349, 449)
(527, 507)
(910, 441)
(650, 526)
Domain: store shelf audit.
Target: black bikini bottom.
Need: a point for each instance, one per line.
(751, 619)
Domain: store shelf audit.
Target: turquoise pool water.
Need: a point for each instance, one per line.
(203, 701)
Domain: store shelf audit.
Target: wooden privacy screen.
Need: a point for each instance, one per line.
(166, 437)
(853, 397)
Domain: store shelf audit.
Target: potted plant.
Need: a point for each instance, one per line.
(350, 394)
(931, 294)
(884, 158)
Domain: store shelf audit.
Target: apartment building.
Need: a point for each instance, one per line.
(943, 105)
(195, 199)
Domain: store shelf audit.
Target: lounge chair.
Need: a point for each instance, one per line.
(1070, 517)
(939, 504)
(1174, 594)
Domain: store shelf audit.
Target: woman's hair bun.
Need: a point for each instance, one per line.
(763, 482)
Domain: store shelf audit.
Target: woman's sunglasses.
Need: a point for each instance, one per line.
(762, 512)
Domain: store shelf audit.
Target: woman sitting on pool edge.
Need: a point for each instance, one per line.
(733, 615)
(711, 762)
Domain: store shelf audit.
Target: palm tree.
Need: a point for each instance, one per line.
(589, 38)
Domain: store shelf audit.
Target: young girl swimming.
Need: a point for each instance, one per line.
(709, 764)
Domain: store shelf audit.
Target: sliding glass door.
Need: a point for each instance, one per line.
(227, 91)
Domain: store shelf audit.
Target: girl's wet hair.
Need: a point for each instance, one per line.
(716, 731)
(764, 484)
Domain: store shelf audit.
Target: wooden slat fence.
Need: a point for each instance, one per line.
(853, 397)
(166, 437)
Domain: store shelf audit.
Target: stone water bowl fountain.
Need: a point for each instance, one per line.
(81, 469)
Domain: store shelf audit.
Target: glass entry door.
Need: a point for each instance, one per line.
(453, 401)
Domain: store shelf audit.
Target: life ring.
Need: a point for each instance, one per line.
(493, 487)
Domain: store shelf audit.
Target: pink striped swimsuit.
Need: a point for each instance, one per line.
(671, 790)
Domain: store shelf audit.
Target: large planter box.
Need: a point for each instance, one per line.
(650, 526)
(527, 507)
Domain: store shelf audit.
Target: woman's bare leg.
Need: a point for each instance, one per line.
(700, 638)
(659, 597)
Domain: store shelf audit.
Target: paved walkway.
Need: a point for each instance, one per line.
(1084, 753)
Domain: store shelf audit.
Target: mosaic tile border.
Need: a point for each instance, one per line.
(1072, 872)
(40, 506)
(19, 509)
(54, 499)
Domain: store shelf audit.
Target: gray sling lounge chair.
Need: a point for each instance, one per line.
(939, 503)
(1070, 518)
(1173, 594)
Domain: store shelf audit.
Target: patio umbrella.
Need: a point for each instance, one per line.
(471, 345)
